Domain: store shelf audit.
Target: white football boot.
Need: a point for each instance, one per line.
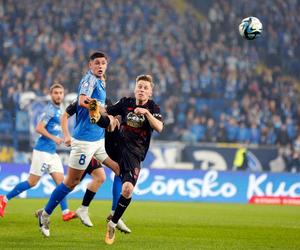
(83, 215)
(43, 222)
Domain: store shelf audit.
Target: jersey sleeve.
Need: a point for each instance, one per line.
(47, 114)
(87, 86)
(117, 108)
(72, 108)
(156, 112)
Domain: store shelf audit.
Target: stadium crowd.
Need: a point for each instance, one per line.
(212, 85)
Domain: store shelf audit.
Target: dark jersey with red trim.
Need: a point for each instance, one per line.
(135, 131)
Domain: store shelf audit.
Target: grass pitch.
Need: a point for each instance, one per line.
(157, 225)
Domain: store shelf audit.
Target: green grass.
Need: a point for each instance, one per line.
(158, 226)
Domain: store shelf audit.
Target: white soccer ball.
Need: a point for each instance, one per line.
(250, 28)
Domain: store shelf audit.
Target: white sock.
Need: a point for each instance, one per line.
(112, 212)
(111, 224)
(84, 208)
(66, 211)
(45, 214)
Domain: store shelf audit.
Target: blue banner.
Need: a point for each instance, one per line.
(171, 185)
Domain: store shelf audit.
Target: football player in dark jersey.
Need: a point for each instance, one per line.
(139, 117)
(95, 168)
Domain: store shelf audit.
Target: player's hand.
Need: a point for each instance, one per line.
(67, 141)
(141, 111)
(114, 123)
(58, 140)
(118, 122)
(87, 100)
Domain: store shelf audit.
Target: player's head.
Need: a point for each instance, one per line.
(143, 88)
(98, 64)
(57, 93)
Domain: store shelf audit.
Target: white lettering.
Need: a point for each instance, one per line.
(159, 187)
(292, 191)
(178, 184)
(228, 190)
(256, 185)
(253, 186)
(209, 183)
(192, 188)
(8, 183)
(143, 176)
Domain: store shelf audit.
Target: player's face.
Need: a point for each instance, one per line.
(57, 95)
(142, 91)
(98, 66)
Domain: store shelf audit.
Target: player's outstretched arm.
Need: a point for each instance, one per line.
(108, 122)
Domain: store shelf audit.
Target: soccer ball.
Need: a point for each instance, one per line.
(250, 28)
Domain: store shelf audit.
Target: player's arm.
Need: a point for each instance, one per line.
(65, 129)
(108, 122)
(70, 111)
(154, 122)
(85, 94)
(107, 119)
(40, 128)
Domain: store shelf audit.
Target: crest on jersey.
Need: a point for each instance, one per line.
(134, 120)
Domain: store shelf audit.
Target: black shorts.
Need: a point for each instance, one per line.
(112, 145)
(94, 164)
(130, 165)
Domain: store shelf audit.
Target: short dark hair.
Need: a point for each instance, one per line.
(97, 54)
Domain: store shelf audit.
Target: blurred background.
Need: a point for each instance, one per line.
(228, 103)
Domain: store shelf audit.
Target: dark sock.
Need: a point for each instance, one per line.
(123, 203)
(88, 197)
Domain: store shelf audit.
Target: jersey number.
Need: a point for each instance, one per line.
(82, 159)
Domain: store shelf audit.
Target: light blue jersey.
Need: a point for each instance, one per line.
(51, 118)
(84, 130)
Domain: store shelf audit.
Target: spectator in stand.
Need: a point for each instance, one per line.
(294, 163)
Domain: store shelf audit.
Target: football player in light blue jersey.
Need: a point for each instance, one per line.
(88, 138)
(44, 156)
(90, 87)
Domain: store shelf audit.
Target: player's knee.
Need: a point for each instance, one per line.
(71, 183)
(32, 183)
(59, 180)
(127, 190)
(100, 179)
(33, 180)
